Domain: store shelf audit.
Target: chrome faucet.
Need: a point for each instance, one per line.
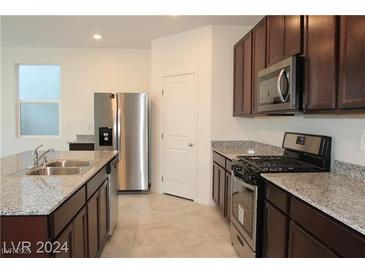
(37, 158)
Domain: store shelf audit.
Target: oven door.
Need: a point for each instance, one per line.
(244, 209)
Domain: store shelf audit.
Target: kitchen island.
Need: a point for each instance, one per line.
(54, 215)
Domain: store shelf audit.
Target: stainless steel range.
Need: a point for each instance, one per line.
(303, 153)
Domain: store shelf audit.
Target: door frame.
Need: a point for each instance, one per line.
(162, 128)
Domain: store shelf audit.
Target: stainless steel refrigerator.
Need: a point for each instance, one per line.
(121, 123)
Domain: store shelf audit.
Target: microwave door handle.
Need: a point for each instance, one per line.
(281, 74)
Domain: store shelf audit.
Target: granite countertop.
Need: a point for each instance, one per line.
(232, 149)
(339, 196)
(22, 194)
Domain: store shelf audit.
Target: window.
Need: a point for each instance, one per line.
(39, 95)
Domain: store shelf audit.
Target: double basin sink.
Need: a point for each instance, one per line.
(61, 167)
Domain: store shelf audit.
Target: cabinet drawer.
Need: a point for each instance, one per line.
(277, 197)
(219, 159)
(64, 214)
(337, 236)
(95, 182)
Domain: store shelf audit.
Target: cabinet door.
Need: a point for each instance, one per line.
(103, 213)
(65, 239)
(275, 241)
(320, 63)
(215, 188)
(242, 76)
(352, 62)
(303, 245)
(258, 58)
(238, 79)
(293, 35)
(92, 217)
(228, 196)
(79, 246)
(275, 39)
(222, 192)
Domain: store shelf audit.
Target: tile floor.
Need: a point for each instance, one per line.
(158, 225)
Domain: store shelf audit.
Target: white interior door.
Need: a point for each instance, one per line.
(179, 101)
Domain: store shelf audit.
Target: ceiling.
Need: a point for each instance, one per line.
(117, 31)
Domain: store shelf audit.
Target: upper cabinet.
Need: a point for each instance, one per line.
(351, 93)
(258, 58)
(332, 48)
(284, 37)
(320, 67)
(242, 76)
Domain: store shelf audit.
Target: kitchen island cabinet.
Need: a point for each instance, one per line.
(69, 218)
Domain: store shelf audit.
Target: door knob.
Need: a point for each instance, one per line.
(190, 144)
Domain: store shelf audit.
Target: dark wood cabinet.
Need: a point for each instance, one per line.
(221, 184)
(215, 188)
(320, 66)
(284, 37)
(258, 58)
(351, 93)
(242, 76)
(293, 35)
(275, 39)
(303, 245)
(103, 214)
(275, 232)
(72, 242)
(222, 192)
(63, 245)
(293, 228)
(79, 244)
(228, 195)
(93, 223)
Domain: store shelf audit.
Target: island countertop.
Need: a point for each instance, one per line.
(22, 194)
(339, 196)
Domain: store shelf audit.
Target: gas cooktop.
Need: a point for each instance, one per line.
(278, 164)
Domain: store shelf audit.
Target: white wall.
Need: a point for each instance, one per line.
(224, 125)
(347, 132)
(187, 51)
(83, 71)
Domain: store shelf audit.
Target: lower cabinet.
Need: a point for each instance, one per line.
(275, 240)
(229, 196)
(293, 228)
(303, 245)
(221, 184)
(92, 220)
(98, 220)
(215, 187)
(72, 242)
(103, 213)
(64, 243)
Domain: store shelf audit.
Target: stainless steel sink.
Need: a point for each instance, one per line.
(55, 171)
(69, 163)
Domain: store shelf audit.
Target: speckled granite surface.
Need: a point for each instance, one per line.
(40, 195)
(351, 170)
(231, 149)
(341, 197)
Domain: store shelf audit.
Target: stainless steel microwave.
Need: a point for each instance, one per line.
(280, 87)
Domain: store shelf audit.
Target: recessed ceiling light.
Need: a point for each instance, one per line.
(97, 36)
